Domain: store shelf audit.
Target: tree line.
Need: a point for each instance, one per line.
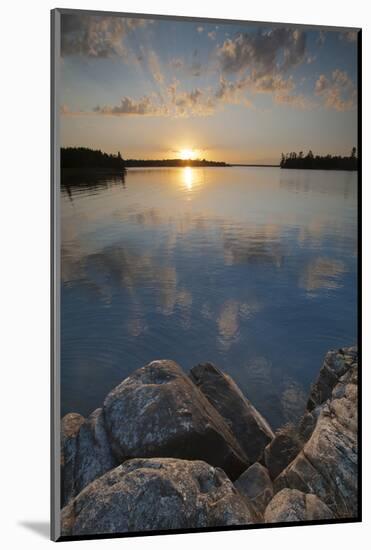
(327, 162)
(89, 160)
(172, 162)
(83, 158)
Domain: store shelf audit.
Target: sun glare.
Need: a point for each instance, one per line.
(187, 154)
(188, 177)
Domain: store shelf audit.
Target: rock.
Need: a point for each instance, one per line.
(282, 450)
(292, 505)
(327, 464)
(308, 423)
(256, 487)
(89, 453)
(94, 456)
(155, 494)
(335, 365)
(248, 426)
(158, 412)
(70, 426)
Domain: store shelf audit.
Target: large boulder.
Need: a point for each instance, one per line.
(248, 426)
(282, 450)
(327, 464)
(70, 426)
(291, 505)
(158, 412)
(156, 494)
(86, 450)
(256, 487)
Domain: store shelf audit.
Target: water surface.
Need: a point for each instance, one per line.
(253, 269)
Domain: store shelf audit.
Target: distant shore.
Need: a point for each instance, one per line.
(168, 163)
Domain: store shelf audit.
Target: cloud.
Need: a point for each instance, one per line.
(337, 91)
(97, 36)
(299, 101)
(265, 52)
(178, 103)
(281, 89)
(179, 64)
(129, 106)
(196, 102)
(321, 85)
(266, 56)
(154, 66)
(260, 61)
(173, 101)
(176, 63)
(271, 83)
(230, 92)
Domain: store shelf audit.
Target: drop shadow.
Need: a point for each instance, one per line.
(41, 528)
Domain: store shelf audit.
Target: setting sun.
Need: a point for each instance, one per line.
(187, 154)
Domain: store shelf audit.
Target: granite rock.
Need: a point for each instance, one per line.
(156, 494)
(291, 505)
(256, 487)
(159, 412)
(248, 426)
(328, 463)
(282, 450)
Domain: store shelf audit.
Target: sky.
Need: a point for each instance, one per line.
(236, 92)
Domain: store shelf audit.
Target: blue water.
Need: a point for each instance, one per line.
(253, 269)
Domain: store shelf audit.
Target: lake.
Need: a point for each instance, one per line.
(253, 269)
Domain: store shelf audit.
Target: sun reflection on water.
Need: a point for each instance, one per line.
(188, 177)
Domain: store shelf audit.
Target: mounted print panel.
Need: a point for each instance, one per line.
(206, 190)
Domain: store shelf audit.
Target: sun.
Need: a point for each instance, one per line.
(187, 154)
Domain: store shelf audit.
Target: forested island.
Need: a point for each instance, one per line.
(89, 160)
(311, 162)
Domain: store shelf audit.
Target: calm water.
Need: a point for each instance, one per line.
(253, 269)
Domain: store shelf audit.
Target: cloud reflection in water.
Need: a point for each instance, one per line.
(207, 265)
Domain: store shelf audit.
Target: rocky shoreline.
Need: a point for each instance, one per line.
(169, 450)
